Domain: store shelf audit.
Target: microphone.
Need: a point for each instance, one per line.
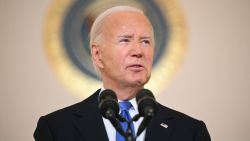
(146, 107)
(108, 104)
(109, 108)
(146, 103)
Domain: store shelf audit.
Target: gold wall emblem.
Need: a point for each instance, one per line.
(66, 41)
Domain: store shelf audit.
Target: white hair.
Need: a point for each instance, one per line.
(96, 30)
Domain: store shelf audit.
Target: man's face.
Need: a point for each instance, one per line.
(126, 51)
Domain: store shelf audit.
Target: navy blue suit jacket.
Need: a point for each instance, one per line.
(82, 122)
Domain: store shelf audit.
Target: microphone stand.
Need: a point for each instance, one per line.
(128, 135)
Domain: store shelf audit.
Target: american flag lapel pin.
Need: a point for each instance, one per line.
(164, 125)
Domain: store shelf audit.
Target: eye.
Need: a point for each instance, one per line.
(124, 40)
(145, 42)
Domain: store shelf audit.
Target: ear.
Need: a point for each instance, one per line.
(96, 56)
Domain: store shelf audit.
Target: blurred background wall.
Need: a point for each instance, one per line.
(213, 83)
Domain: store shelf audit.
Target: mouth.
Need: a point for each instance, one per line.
(135, 67)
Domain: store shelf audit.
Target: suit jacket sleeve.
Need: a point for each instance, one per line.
(202, 133)
(42, 132)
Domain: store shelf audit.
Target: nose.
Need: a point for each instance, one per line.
(136, 50)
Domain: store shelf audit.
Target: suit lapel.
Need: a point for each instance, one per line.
(161, 126)
(88, 121)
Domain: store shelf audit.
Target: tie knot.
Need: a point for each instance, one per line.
(125, 105)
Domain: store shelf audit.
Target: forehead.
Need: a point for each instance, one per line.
(127, 22)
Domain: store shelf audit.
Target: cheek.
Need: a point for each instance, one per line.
(116, 58)
(149, 56)
(119, 55)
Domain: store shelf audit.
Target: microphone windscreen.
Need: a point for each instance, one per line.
(146, 102)
(108, 103)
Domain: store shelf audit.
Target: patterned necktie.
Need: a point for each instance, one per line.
(125, 106)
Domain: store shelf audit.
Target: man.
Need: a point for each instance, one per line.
(122, 49)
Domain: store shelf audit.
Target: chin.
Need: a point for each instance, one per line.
(139, 82)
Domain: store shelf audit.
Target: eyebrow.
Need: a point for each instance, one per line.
(131, 36)
(146, 37)
(126, 36)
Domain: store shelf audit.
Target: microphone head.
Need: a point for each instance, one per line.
(146, 103)
(108, 104)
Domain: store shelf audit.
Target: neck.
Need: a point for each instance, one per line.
(124, 93)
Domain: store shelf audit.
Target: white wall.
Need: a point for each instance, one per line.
(212, 84)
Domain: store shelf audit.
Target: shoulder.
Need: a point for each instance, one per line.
(60, 121)
(181, 120)
(171, 113)
(79, 108)
(175, 125)
(184, 125)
